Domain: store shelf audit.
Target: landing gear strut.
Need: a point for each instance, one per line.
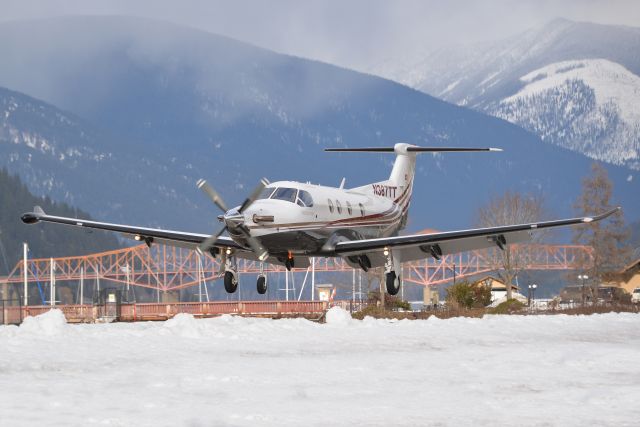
(230, 274)
(262, 281)
(392, 280)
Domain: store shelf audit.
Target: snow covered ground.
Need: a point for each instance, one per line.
(537, 370)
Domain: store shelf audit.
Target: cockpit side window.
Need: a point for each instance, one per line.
(266, 193)
(304, 199)
(287, 194)
(330, 204)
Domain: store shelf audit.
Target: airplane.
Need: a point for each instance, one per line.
(287, 222)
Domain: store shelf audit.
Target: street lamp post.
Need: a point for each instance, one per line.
(532, 294)
(583, 277)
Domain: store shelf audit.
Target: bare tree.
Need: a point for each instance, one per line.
(607, 238)
(510, 208)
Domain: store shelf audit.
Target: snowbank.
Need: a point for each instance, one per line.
(50, 323)
(498, 370)
(338, 316)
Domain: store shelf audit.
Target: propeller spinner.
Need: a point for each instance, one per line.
(231, 219)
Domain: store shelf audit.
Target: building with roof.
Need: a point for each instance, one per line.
(499, 289)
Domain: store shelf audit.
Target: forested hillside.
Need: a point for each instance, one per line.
(44, 240)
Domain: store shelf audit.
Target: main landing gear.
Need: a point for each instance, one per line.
(392, 280)
(231, 276)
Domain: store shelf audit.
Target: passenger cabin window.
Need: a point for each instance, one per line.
(304, 199)
(330, 205)
(349, 210)
(361, 209)
(287, 194)
(338, 206)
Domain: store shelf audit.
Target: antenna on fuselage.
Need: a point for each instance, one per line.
(344, 179)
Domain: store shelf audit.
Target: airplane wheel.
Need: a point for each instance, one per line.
(393, 283)
(262, 285)
(230, 282)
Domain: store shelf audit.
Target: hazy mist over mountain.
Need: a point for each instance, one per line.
(167, 104)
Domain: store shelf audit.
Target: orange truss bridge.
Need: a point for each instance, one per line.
(165, 268)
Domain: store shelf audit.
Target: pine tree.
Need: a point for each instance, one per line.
(609, 238)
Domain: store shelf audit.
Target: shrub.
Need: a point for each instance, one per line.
(391, 302)
(465, 295)
(509, 306)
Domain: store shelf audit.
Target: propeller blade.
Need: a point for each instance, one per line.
(257, 248)
(213, 194)
(210, 241)
(254, 195)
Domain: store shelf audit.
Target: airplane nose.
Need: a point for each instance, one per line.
(233, 219)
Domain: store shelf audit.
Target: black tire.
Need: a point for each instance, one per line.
(262, 285)
(393, 283)
(230, 282)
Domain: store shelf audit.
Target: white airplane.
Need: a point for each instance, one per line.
(287, 222)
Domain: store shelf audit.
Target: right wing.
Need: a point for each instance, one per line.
(420, 246)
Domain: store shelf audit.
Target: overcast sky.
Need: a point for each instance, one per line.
(346, 32)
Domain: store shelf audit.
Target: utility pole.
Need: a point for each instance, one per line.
(52, 287)
(81, 285)
(25, 248)
(353, 286)
(286, 284)
(313, 278)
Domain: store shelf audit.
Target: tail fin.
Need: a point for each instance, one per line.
(399, 186)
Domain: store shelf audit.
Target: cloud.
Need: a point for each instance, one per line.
(352, 33)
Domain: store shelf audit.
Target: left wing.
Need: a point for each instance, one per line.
(147, 235)
(155, 235)
(419, 246)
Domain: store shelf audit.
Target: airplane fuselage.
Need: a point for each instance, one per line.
(301, 218)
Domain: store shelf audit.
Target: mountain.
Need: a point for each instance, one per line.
(574, 84)
(62, 156)
(43, 241)
(151, 107)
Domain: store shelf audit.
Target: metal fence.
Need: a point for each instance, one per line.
(10, 312)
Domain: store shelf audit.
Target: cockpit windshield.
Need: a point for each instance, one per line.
(293, 195)
(287, 194)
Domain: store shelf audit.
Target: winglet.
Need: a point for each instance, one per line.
(33, 217)
(602, 215)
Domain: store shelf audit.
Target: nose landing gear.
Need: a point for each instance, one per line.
(261, 285)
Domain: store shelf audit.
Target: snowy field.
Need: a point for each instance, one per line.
(228, 371)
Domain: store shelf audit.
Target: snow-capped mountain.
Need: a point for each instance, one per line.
(574, 84)
(590, 106)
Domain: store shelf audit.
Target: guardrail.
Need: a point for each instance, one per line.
(162, 311)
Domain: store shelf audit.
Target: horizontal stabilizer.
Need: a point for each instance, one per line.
(411, 149)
